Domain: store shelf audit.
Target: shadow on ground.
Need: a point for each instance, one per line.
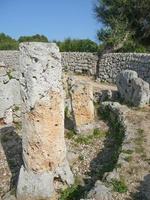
(105, 161)
(143, 191)
(12, 146)
(69, 125)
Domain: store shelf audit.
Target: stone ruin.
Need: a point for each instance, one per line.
(44, 150)
(39, 92)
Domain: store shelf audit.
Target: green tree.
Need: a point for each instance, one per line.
(7, 43)
(77, 45)
(34, 38)
(126, 23)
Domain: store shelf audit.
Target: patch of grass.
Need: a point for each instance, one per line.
(98, 133)
(81, 157)
(73, 192)
(119, 186)
(139, 141)
(84, 139)
(66, 112)
(128, 151)
(140, 131)
(96, 105)
(13, 191)
(70, 134)
(9, 74)
(128, 158)
(118, 165)
(18, 125)
(97, 109)
(16, 108)
(89, 139)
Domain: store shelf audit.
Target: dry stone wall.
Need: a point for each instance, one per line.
(112, 64)
(105, 69)
(81, 63)
(9, 58)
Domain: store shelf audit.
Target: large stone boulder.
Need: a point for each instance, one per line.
(44, 149)
(132, 89)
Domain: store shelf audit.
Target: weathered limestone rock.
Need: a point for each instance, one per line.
(100, 192)
(9, 95)
(82, 104)
(133, 89)
(44, 150)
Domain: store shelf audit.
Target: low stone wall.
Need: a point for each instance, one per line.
(112, 64)
(9, 58)
(79, 62)
(106, 69)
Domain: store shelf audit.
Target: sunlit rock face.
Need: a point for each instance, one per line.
(44, 150)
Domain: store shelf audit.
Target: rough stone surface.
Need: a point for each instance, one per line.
(133, 89)
(82, 104)
(79, 62)
(100, 192)
(106, 69)
(44, 150)
(118, 113)
(110, 65)
(9, 94)
(35, 186)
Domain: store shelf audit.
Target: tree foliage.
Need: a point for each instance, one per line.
(77, 45)
(126, 23)
(7, 43)
(34, 38)
(86, 45)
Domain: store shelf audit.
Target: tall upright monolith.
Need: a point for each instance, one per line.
(44, 149)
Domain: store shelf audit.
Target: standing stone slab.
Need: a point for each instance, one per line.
(44, 150)
(82, 105)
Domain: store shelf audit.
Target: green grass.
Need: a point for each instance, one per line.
(9, 75)
(70, 134)
(119, 186)
(18, 125)
(89, 139)
(73, 192)
(97, 133)
(66, 112)
(82, 139)
(139, 141)
(16, 108)
(128, 151)
(81, 157)
(128, 158)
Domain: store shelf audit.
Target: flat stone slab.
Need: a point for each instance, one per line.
(34, 186)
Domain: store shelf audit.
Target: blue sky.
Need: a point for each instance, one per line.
(57, 19)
